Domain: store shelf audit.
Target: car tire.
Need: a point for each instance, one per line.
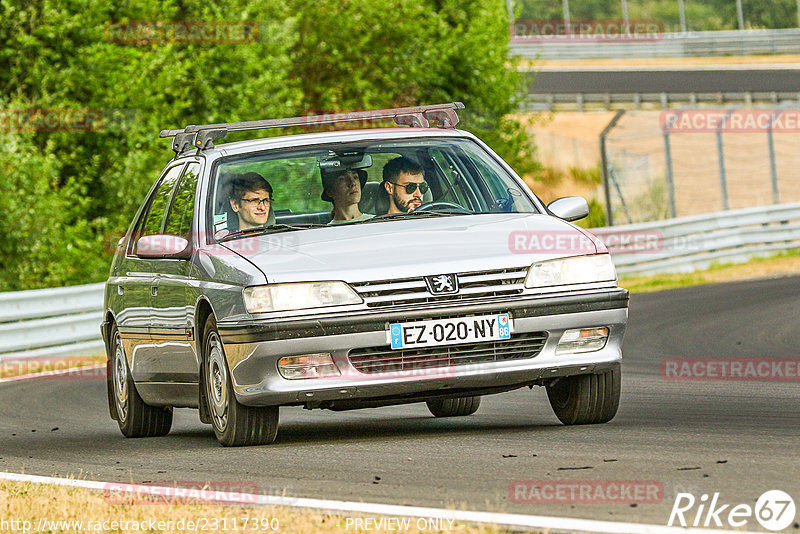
(454, 407)
(235, 424)
(135, 418)
(586, 399)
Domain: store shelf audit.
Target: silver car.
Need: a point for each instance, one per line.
(353, 269)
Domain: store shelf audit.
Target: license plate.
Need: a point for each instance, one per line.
(449, 331)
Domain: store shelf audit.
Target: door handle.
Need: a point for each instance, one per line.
(153, 291)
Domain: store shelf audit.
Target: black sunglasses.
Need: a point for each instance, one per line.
(410, 187)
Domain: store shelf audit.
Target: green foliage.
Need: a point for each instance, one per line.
(590, 176)
(65, 193)
(596, 217)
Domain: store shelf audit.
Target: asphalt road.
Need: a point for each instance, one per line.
(736, 438)
(664, 81)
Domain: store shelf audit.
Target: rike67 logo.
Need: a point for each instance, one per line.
(774, 510)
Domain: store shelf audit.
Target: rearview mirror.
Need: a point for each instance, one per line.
(162, 246)
(569, 208)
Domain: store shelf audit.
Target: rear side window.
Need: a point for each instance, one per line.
(153, 216)
(181, 213)
(158, 205)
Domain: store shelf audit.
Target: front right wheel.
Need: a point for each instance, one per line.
(454, 407)
(235, 424)
(586, 399)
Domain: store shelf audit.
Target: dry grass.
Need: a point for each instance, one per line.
(783, 265)
(37, 502)
(12, 368)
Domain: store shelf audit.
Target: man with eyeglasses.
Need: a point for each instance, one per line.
(405, 183)
(251, 200)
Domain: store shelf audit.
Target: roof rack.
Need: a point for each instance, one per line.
(202, 136)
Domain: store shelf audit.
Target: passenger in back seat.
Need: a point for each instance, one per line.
(343, 188)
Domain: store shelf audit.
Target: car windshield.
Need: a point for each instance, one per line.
(359, 183)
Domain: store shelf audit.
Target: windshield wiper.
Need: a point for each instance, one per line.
(271, 229)
(418, 213)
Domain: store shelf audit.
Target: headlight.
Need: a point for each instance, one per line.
(298, 296)
(566, 271)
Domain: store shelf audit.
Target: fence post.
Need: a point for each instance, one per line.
(604, 164)
(723, 179)
(510, 9)
(739, 14)
(682, 14)
(668, 160)
(772, 165)
(670, 180)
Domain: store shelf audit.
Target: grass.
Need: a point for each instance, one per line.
(25, 501)
(783, 264)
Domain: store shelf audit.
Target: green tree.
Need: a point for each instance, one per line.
(83, 187)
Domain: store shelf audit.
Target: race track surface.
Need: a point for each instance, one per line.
(739, 438)
(664, 81)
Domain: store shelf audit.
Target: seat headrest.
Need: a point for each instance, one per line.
(374, 199)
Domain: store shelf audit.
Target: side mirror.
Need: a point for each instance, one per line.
(162, 246)
(569, 208)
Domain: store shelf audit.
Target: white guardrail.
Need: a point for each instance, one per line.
(66, 321)
(61, 321)
(689, 44)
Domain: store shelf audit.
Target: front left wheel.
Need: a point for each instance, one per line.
(586, 399)
(135, 418)
(235, 424)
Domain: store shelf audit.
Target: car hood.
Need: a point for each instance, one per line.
(413, 247)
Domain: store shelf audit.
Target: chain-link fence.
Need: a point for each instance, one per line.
(685, 162)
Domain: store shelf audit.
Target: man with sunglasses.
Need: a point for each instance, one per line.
(405, 183)
(251, 199)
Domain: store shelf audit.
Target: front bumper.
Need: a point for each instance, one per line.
(254, 348)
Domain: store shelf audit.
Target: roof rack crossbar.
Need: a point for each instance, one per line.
(444, 114)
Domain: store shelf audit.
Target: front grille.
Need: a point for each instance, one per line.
(382, 359)
(472, 285)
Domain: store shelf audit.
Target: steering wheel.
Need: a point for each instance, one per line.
(442, 205)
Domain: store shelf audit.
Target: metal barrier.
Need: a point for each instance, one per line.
(59, 321)
(636, 101)
(66, 321)
(689, 44)
(686, 244)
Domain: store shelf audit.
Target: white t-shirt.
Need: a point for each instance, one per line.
(362, 217)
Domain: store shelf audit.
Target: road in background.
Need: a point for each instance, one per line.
(668, 79)
(736, 438)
